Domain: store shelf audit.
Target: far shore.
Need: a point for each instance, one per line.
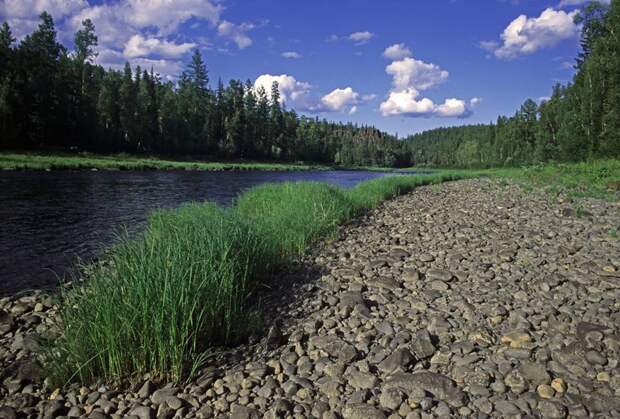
(88, 161)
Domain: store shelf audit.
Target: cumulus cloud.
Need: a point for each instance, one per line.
(410, 72)
(292, 91)
(300, 95)
(292, 55)
(130, 29)
(397, 52)
(526, 35)
(167, 15)
(407, 103)
(139, 46)
(32, 8)
(411, 76)
(361, 37)
(23, 15)
(339, 100)
(237, 33)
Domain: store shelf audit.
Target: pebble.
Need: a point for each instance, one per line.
(466, 299)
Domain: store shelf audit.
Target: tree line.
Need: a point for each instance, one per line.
(53, 98)
(580, 121)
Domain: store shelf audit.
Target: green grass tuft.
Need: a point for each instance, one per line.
(160, 301)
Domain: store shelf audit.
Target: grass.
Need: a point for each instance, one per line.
(598, 179)
(127, 162)
(159, 302)
(595, 179)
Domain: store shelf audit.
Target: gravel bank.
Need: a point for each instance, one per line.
(466, 299)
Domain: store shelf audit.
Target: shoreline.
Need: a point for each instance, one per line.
(112, 162)
(87, 161)
(427, 304)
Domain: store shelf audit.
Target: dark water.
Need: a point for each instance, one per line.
(50, 220)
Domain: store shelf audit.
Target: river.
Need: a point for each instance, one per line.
(52, 220)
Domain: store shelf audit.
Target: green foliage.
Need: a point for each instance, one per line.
(161, 298)
(293, 216)
(127, 162)
(158, 302)
(579, 122)
(52, 99)
(597, 179)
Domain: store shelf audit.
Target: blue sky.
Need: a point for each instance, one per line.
(403, 66)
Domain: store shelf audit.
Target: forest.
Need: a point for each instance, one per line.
(55, 99)
(579, 122)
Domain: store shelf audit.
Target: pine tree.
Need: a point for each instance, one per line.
(85, 42)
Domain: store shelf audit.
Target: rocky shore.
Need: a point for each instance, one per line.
(466, 299)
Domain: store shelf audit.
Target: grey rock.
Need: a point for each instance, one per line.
(400, 359)
(535, 373)
(440, 386)
(7, 412)
(362, 380)
(551, 410)
(146, 390)
(143, 412)
(362, 411)
(242, 412)
(7, 322)
(422, 345)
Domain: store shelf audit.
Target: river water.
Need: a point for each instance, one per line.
(51, 220)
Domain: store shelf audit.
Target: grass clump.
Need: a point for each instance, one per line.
(161, 298)
(293, 216)
(160, 301)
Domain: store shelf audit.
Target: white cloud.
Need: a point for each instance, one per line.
(170, 69)
(490, 46)
(397, 52)
(291, 91)
(409, 77)
(339, 100)
(139, 46)
(135, 29)
(406, 103)
(167, 15)
(237, 33)
(452, 108)
(410, 72)
(361, 37)
(565, 3)
(292, 55)
(23, 15)
(32, 8)
(527, 35)
(299, 95)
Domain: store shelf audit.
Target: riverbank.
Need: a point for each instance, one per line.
(595, 179)
(463, 298)
(87, 161)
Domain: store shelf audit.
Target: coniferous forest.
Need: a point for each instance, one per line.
(54, 99)
(580, 121)
(51, 98)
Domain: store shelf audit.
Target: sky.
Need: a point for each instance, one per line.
(404, 66)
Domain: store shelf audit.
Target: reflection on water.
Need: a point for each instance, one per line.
(52, 219)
